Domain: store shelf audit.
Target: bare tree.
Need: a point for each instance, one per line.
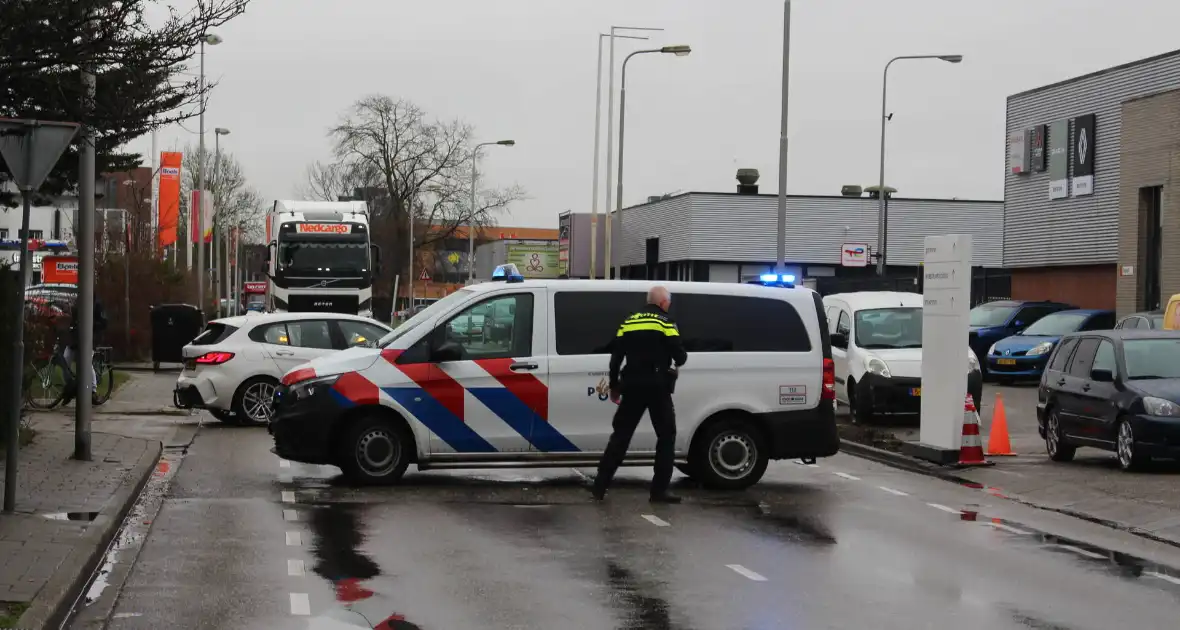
(237, 205)
(418, 164)
(333, 180)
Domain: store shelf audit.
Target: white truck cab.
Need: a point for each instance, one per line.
(531, 388)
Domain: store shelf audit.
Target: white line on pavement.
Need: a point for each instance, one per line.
(1008, 528)
(1084, 552)
(300, 604)
(581, 474)
(847, 476)
(290, 515)
(896, 492)
(288, 496)
(949, 510)
(283, 463)
(295, 567)
(655, 520)
(744, 572)
(1167, 578)
(293, 539)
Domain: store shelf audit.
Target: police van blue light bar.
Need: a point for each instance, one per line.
(785, 278)
(507, 272)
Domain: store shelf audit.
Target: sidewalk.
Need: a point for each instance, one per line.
(146, 394)
(68, 511)
(1091, 487)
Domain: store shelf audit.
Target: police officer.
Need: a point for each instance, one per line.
(650, 343)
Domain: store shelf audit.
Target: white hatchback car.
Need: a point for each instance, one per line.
(232, 367)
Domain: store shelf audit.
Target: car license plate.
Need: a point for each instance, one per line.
(1006, 361)
(915, 391)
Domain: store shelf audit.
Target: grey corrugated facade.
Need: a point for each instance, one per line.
(1039, 231)
(741, 228)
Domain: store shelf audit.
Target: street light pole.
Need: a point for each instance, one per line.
(610, 134)
(781, 248)
(471, 220)
(679, 51)
(597, 159)
(882, 205)
(212, 40)
(223, 285)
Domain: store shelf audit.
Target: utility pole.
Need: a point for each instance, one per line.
(781, 234)
(85, 305)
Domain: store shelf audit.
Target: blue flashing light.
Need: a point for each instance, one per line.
(785, 278)
(515, 278)
(506, 272)
(769, 277)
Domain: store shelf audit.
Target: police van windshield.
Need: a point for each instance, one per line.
(425, 314)
(883, 328)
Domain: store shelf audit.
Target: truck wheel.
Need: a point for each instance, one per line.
(730, 454)
(374, 451)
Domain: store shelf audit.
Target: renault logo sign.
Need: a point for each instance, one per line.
(1083, 144)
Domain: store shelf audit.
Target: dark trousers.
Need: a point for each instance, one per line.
(657, 401)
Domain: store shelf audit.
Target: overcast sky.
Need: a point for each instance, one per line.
(525, 69)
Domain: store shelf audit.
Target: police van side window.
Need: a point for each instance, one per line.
(503, 329)
(586, 321)
(734, 323)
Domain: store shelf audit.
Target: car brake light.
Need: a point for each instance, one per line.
(214, 358)
(829, 389)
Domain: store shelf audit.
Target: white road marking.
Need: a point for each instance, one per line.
(1008, 528)
(286, 478)
(847, 476)
(283, 463)
(126, 615)
(300, 604)
(1166, 578)
(288, 496)
(896, 492)
(293, 539)
(290, 515)
(949, 510)
(295, 568)
(744, 572)
(655, 520)
(581, 474)
(1084, 552)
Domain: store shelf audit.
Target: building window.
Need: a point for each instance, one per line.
(35, 235)
(3, 234)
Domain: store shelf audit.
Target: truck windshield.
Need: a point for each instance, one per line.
(323, 257)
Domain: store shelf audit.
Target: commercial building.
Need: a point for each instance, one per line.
(1088, 214)
(731, 237)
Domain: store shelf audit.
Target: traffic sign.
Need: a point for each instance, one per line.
(32, 147)
(424, 276)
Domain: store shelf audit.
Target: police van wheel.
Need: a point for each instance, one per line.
(374, 451)
(730, 454)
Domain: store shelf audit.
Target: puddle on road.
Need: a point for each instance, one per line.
(71, 516)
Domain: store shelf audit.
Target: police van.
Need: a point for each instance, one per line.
(758, 385)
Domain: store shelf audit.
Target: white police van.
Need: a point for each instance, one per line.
(758, 385)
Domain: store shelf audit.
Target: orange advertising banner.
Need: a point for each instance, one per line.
(59, 270)
(169, 217)
(205, 203)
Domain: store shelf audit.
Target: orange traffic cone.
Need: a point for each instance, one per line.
(997, 441)
(971, 450)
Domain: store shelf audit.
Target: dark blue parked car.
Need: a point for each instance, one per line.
(994, 321)
(1025, 354)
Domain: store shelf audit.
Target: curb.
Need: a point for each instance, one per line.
(899, 460)
(147, 369)
(52, 605)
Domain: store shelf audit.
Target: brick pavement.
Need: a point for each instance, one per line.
(45, 552)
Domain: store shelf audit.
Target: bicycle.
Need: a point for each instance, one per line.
(53, 379)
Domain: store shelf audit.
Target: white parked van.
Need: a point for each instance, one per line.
(758, 384)
(877, 348)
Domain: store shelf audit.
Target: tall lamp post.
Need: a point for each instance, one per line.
(212, 39)
(882, 206)
(679, 51)
(471, 220)
(221, 238)
(597, 160)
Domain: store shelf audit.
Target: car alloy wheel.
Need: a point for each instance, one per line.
(1052, 434)
(1125, 446)
(732, 455)
(377, 451)
(257, 401)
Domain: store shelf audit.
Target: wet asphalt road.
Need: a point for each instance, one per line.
(244, 540)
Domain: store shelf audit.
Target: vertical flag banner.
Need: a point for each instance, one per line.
(169, 219)
(205, 203)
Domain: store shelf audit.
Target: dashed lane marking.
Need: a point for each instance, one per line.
(1083, 552)
(288, 496)
(847, 476)
(1162, 576)
(300, 604)
(1008, 528)
(744, 572)
(293, 539)
(949, 510)
(295, 568)
(290, 515)
(894, 492)
(283, 463)
(655, 520)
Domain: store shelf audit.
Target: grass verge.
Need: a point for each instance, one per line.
(10, 613)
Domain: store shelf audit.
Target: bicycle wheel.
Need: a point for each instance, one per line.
(45, 384)
(105, 376)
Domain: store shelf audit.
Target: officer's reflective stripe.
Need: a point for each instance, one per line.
(667, 329)
(649, 318)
